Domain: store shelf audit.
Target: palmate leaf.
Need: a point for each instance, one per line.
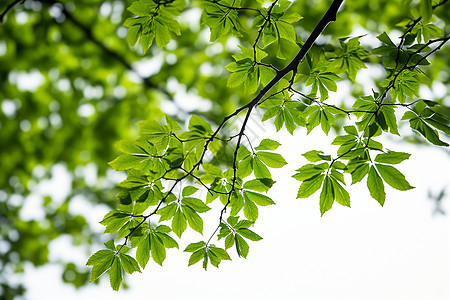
(185, 212)
(285, 111)
(209, 253)
(155, 243)
(278, 27)
(406, 85)
(322, 82)
(318, 115)
(279, 24)
(258, 162)
(245, 71)
(423, 118)
(425, 31)
(332, 191)
(220, 19)
(236, 237)
(154, 21)
(349, 58)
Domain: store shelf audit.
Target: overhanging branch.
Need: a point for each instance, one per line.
(8, 8)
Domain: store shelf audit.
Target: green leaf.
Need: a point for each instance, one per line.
(167, 212)
(385, 39)
(126, 161)
(429, 133)
(167, 240)
(99, 256)
(392, 157)
(220, 253)
(390, 118)
(351, 130)
(241, 246)
(172, 124)
(315, 156)
(194, 220)
(143, 251)
(189, 190)
(259, 199)
(326, 196)
(110, 245)
(268, 144)
(194, 246)
(179, 223)
(199, 125)
(195, 204)
(250, 209)
(248, 234)
(259, 185)
(340, 194)
(243, 224)
(393, 177)
(157, 248)
(426, 10)
(101, 267)
(273, 160)
(115, 274)
(196, 256)
(133, 34)
(260, 169)
(245, 167)
(129, 264)
(376, 186)
(359, 172)
(163, 229)
(310, 186)
(229, 241)
(220, 20)
(309, 171)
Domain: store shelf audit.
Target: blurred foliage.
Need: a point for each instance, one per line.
(70, 87)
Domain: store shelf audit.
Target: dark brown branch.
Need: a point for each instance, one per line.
(116, 56)
(8, 8)
(329, 17)
(439, 4)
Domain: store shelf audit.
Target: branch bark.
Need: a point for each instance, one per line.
(8, 8)
(89, 34)
(330, 16)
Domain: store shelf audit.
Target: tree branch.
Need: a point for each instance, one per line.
(329, 17)
(8, 8)
(89, 34)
